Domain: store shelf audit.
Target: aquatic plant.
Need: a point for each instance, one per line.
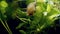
(44, 16)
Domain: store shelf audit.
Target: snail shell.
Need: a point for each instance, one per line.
(31, 8)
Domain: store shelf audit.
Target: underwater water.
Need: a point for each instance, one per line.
(29, 16)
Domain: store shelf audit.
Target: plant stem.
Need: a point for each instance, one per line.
(4, 25)
(8, 28)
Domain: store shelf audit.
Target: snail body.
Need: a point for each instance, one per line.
(31, 8)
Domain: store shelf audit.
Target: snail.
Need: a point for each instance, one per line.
(31, 8)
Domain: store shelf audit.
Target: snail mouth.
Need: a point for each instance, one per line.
(30, 14)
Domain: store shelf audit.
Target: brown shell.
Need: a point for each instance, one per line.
(31, 9)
